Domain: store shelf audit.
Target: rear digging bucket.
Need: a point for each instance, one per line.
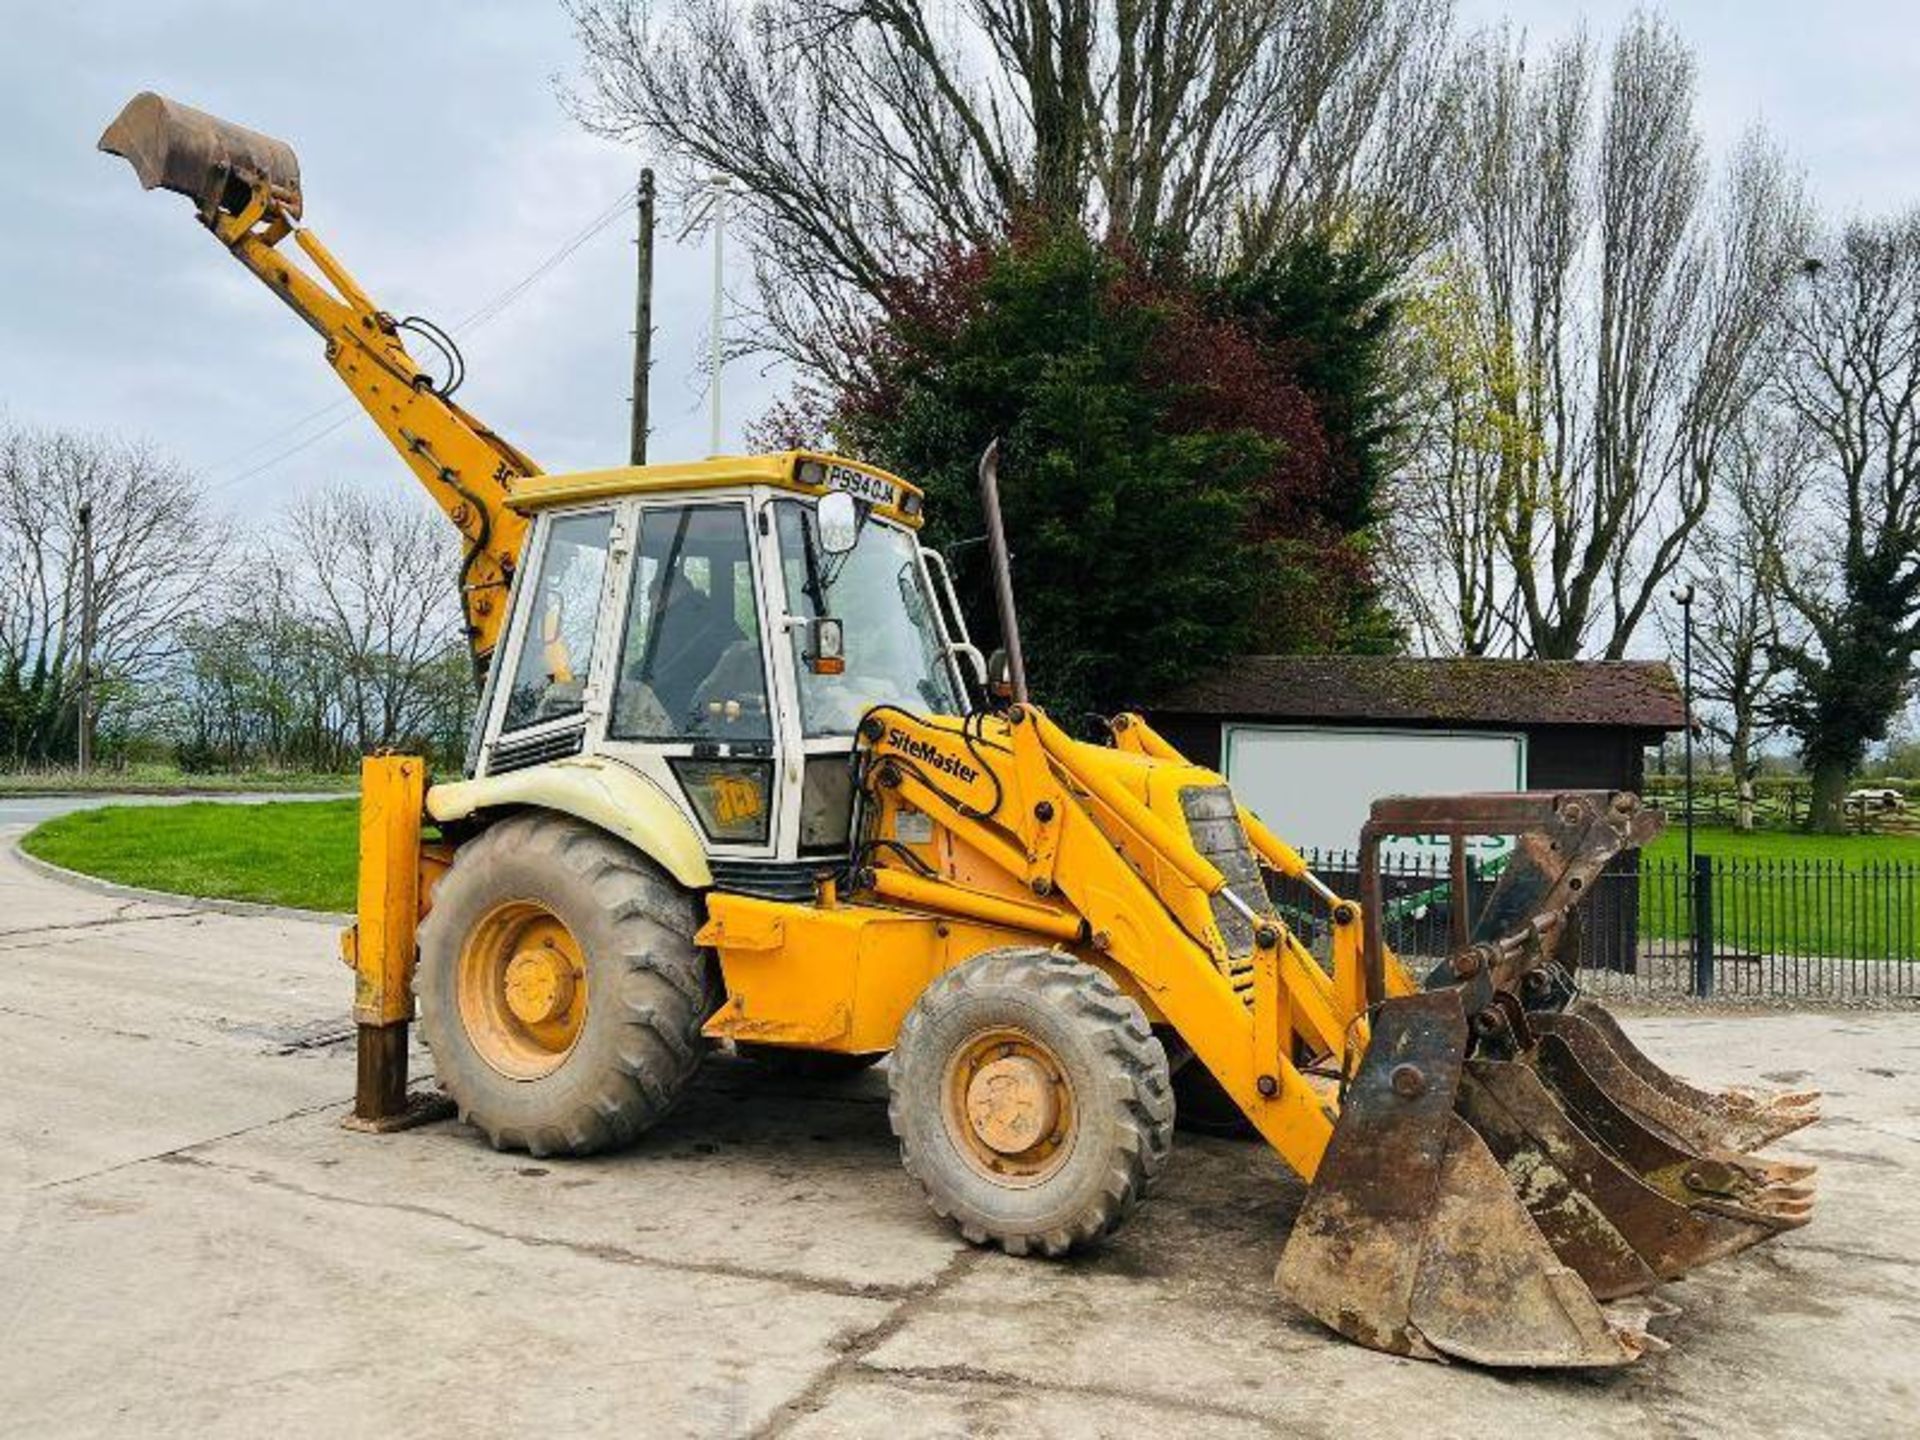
(214, 163)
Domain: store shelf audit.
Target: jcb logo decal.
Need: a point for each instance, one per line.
(735, 799)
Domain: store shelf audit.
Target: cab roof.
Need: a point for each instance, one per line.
(804, 472)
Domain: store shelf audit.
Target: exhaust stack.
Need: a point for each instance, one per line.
(214, 163)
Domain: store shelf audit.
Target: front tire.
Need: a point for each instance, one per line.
(1031, 1101)
(560, 989)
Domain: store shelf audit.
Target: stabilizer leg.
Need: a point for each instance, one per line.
(380, 946)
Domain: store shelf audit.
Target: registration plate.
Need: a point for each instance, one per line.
(860, 485)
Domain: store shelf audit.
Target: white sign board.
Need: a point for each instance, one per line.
(1313, 788)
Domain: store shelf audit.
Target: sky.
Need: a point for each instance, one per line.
(441, 167)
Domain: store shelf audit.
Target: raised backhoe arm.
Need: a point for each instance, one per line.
(246, 187)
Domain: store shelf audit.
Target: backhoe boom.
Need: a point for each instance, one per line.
(247, 188)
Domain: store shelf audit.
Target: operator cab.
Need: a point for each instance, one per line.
(722, 628)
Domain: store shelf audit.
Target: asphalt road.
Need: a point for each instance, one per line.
(191, 1245)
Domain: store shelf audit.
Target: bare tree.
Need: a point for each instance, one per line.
(381, 601)
(867, 135)
(1851, 567)
(155, 549)
(1620, 306)
(1741, 620)
(337, 634)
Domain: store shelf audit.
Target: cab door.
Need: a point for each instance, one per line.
(691, 701)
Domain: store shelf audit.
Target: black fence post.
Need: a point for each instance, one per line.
(1703, 926)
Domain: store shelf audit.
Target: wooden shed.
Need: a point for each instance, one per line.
(1309, 742)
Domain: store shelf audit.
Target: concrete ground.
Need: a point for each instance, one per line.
(191, 1245)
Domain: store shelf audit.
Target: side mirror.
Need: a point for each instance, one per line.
(837, 521)
(826, 647)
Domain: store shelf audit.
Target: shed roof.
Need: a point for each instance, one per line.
(1635, 694)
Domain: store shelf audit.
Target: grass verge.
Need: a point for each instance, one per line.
(170, 780)
(292, 853)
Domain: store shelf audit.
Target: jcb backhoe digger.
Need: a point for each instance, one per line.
(739, 776)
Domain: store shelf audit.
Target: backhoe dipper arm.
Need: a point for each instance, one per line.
(247, 188)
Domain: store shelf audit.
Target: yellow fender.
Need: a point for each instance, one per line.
(603, 793)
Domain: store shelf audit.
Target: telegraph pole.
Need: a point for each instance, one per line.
(86, 637)
(642, 322)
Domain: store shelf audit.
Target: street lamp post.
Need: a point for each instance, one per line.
(1683, 597)
(1699, 873)
(712, 209)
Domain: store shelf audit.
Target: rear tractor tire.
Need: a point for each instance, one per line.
(1031, 1101)
(560, 989)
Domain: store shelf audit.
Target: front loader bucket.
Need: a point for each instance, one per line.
(1502, 1203)
(214, 163)
(1413, 1241)
(1510, 1177)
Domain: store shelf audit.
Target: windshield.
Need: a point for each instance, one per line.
(892, 646)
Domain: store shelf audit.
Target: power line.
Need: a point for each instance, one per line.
(512, 293)
(281, 434)
(489, 311)
(286, 454)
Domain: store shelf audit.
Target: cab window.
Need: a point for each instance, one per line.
(556, 647)
(691, 666)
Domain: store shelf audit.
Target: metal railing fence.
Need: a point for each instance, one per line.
(1730, 929)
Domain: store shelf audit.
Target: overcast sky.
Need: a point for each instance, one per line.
(442, 169)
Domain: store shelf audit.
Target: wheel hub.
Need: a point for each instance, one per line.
(522, 984)
(1011, 1105)
(539, 985)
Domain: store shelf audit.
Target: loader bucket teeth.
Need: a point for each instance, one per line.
(211, 161)
(1412, 1239)
(1767, 1198)
(1741, 1119)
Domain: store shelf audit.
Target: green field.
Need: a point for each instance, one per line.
(1782, 893)
(296, 853)
(1728, 844)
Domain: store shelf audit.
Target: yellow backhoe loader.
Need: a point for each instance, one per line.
(739, 776)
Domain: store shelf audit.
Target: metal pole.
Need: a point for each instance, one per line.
(1002, 569)
(1699, 872)
(715, 352)
(1702, 873)
(642, 322)
(86, 638)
